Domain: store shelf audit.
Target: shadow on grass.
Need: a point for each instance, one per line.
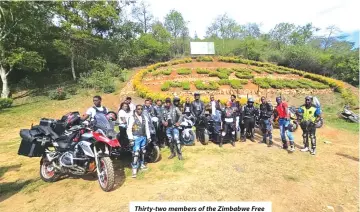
(4, 169)
(348, 156)
(10, 188)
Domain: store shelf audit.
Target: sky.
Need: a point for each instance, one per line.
(267, 13)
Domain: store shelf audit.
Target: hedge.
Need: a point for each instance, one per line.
(286, 83)
(5, 103)
(204, 59)
(235, 84)
(206, 86)
(202, 71)
(183, 71)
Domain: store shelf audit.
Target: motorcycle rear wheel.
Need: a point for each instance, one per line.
(107, 178)
(47, 171)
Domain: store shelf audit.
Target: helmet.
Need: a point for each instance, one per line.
(167, 100)
(250, 100)
(196, 94)
(111, 116)
(71, 119)
(176, 99)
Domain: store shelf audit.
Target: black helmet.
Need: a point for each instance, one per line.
(167, 100)
(196, 94)
(250, 100)
(176, 99)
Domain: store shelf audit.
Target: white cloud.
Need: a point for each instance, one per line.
(322, 13)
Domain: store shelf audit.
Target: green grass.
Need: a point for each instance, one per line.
(176, 166)
(288, 83)
(202, 71)
(235, 84)
(206, 86)
(331, 118)
(186, 85)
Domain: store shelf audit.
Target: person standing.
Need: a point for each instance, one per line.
(171, 120)
(149, 112)
(187, 107)
(97, 108)
(131, 105)
(249, 114)
(284, 124)
(229, 123)
(198, 111)
(138, 134)
(310, 115)
(236, 106)
(123, 116)
(160, 131)
(266, 115)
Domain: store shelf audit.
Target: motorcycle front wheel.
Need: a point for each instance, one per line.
(152, 154)
(106, 177)
(47, 171)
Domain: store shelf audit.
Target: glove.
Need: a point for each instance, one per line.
(242, 122)
(86, 123)
(149, 140)
(131, 143)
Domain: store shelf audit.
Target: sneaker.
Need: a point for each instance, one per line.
(143, 167)
(292, 148)
(134, 173)
(305, 149)
(312, 151)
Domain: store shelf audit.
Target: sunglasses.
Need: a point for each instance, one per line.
(139, 109)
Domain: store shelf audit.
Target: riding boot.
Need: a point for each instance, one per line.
(270, 139)
(313, 144)
(178, 148)
(172, 149)
(233, 139)
(219, 139)
(285, 146)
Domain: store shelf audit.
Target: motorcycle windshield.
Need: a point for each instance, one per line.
(102, 123)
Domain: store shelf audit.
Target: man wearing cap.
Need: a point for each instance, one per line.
(172, 118)
(266, 115)
(249, 114)
(284, 123)
(310, 115)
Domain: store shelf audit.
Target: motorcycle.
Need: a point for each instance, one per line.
(348, 115)
(187, 135)
(294, 125)
(68, 146)
(152, 154)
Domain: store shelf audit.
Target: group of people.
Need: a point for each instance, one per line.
(159, 121)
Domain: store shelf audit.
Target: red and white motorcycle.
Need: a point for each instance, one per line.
(68, 146)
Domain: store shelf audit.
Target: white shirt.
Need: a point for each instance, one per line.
(123, 114)
(213, 108)
(131, 123)
(92, 112)
(132, 107)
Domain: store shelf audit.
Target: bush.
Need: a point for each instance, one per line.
(244, 75)
(184, 71)
(72, 90)
(165, 86)
(5, 103)
(58, 94)
(96, 80)
(186, 85)
(204, 59)
(110, 88)
(175, 84)
(202, 71)
(166, 72)
(286, 83)
(202, 86)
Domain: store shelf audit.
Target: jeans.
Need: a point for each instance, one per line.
(283, 124)
(266, 128)
(172, 133)
(139, 144)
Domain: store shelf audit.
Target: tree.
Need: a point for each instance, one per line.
(142, 14)
(281, 34)
(224, 27)
(252, 30)
(330, 37)
(20, 18)
(177, 26)
(302, 34)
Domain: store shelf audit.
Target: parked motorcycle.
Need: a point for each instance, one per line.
(68, 146)
(293, 119)
(348, 115)
(187, 135)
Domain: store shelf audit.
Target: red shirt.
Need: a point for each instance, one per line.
(282, 110)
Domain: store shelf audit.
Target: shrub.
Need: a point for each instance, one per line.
(5, 103)
(186, 85)
(166, 72)
(202, 71)
(176, 84)
(204, 59)
(184, 71)
(244, 75)
(58, 94)
(110, 88)
(286, 83)
(202, 86)
(165, 86)
(72, 90)
(156, 73)
(96, 80)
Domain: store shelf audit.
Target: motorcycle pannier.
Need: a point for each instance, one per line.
(47, 122)
(29, 145)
